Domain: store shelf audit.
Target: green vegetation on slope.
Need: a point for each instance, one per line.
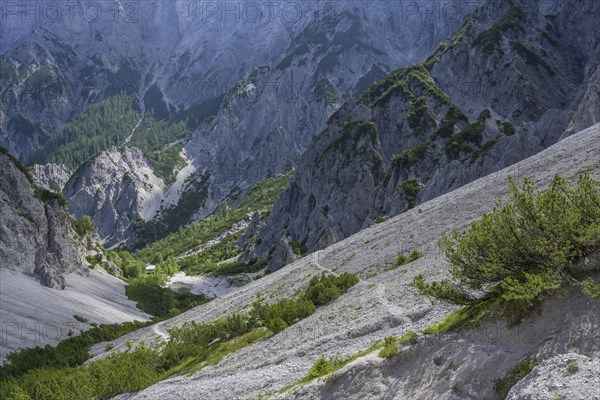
(411, 156)
(324, 366)
(259, 196)
(489, 40)
(161, 142)
(391, 344)
(518, 372)
(472, 133)
(68, 353)
(189, 348)
(523, 250)
(159, 301)
(410, 187)
(98, 128)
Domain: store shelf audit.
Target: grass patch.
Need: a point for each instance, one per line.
(391, 344)
(403, 259)
(466, 316)
(518, 372)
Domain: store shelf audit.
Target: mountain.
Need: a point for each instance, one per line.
(459, 364)
(314, 200)
(515, 79)
(253, 109)
(44, 276)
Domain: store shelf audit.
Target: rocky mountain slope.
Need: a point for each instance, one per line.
(44, 278)
(512, 80)
(114, 189)
(458, 365)
(268, 98)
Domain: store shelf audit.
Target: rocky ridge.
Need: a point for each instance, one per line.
(432, 127)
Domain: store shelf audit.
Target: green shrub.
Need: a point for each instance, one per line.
(277, 325)
(83, 226)
(410, 187)
(324, 289)
(572, 367)
(159, 301)
(518, 372)
(391, 344)
(94, 260)
(403, 259)
(390, 348)
(68, 353)
(80, 319)
(299, 247)
(49, 197)
(452, 117)
(508, 129)
(522, 250)
(323, 366)
(411, 156)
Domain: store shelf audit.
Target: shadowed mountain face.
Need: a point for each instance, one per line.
(268, 76)
(508, 84)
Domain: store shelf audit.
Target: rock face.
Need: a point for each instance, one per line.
(36, 237)
(565, 376)
(51, 176)
(270, 97)
(268, 119)
(499, 91)
(461, 365)
(115, 189)
(40, 255)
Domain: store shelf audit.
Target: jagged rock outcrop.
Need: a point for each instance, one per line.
(115, 189)
(588, 112)
(35, 234)
(51, 176)
(498, 91)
